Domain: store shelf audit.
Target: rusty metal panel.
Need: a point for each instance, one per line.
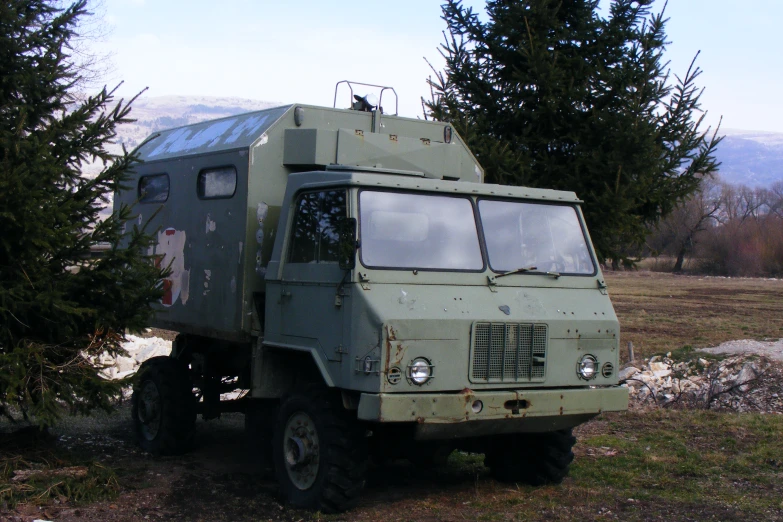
(442, 408)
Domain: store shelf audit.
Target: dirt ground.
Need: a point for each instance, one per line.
(216, 482)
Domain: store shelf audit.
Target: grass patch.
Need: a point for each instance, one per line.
(684, 458)
(672, 465)
(49, 472)
(688, 354)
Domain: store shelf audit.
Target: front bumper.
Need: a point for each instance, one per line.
(444, 415)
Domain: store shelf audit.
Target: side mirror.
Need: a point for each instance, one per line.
(347, 246)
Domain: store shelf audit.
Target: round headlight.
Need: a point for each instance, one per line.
(587, 367)
(420, 371)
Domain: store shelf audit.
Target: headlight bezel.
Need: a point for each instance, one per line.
(587, 367)
(420, 371)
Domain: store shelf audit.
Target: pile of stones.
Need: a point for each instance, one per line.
(744, 383)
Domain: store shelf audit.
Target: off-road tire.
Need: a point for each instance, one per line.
(531, 458)
(169, 427)
(342, 452)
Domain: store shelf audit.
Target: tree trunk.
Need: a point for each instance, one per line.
(680, 258)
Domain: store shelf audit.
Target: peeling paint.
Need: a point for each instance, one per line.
(530, 304)
(207, 277)
(184, 293)
(260, 270)
(409, 301)
(261, 212)
(170, 251)
(211, 225)
(209, 136)
(185, 139)
(247, 127)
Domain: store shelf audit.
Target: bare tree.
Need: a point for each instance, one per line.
(776, 199)
(679, 233)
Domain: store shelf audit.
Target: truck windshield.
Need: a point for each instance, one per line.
(542, 238)
(402, 230)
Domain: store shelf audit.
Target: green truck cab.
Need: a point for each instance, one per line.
(371, 296)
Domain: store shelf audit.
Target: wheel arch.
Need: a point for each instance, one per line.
(279, 370)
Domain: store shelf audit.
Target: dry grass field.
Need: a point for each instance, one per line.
(660, 312)
(670, 465)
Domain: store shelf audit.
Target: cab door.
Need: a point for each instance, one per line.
(311, 315)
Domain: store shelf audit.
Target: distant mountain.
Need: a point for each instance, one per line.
(751, 158)
(747, 157)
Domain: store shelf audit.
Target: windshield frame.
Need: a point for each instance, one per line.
(463, 196)
(580, 218)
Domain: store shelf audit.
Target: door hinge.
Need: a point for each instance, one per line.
(340, 351)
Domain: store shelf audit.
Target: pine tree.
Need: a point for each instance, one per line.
(547, 93)
(60, 309)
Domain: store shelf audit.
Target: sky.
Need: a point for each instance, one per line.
(295, 51)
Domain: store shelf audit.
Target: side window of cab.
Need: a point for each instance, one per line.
(315, 234)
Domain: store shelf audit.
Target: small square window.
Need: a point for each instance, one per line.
(154, 188)
(217, 183)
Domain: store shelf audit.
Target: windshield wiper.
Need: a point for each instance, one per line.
(517, 271)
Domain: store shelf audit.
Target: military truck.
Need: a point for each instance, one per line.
(351, 273)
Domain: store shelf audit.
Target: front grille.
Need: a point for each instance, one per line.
(508, 352)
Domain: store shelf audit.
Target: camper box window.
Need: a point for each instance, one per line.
(217, 183)
(154, 188)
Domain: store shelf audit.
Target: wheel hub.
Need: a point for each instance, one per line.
(148, 410)
(301, 450)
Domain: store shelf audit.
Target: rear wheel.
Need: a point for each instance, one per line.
(320, 453)
(531, 458)
(163, 407)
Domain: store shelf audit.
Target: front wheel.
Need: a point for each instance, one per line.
(531, 458)
(320, 453)
(163, 407)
